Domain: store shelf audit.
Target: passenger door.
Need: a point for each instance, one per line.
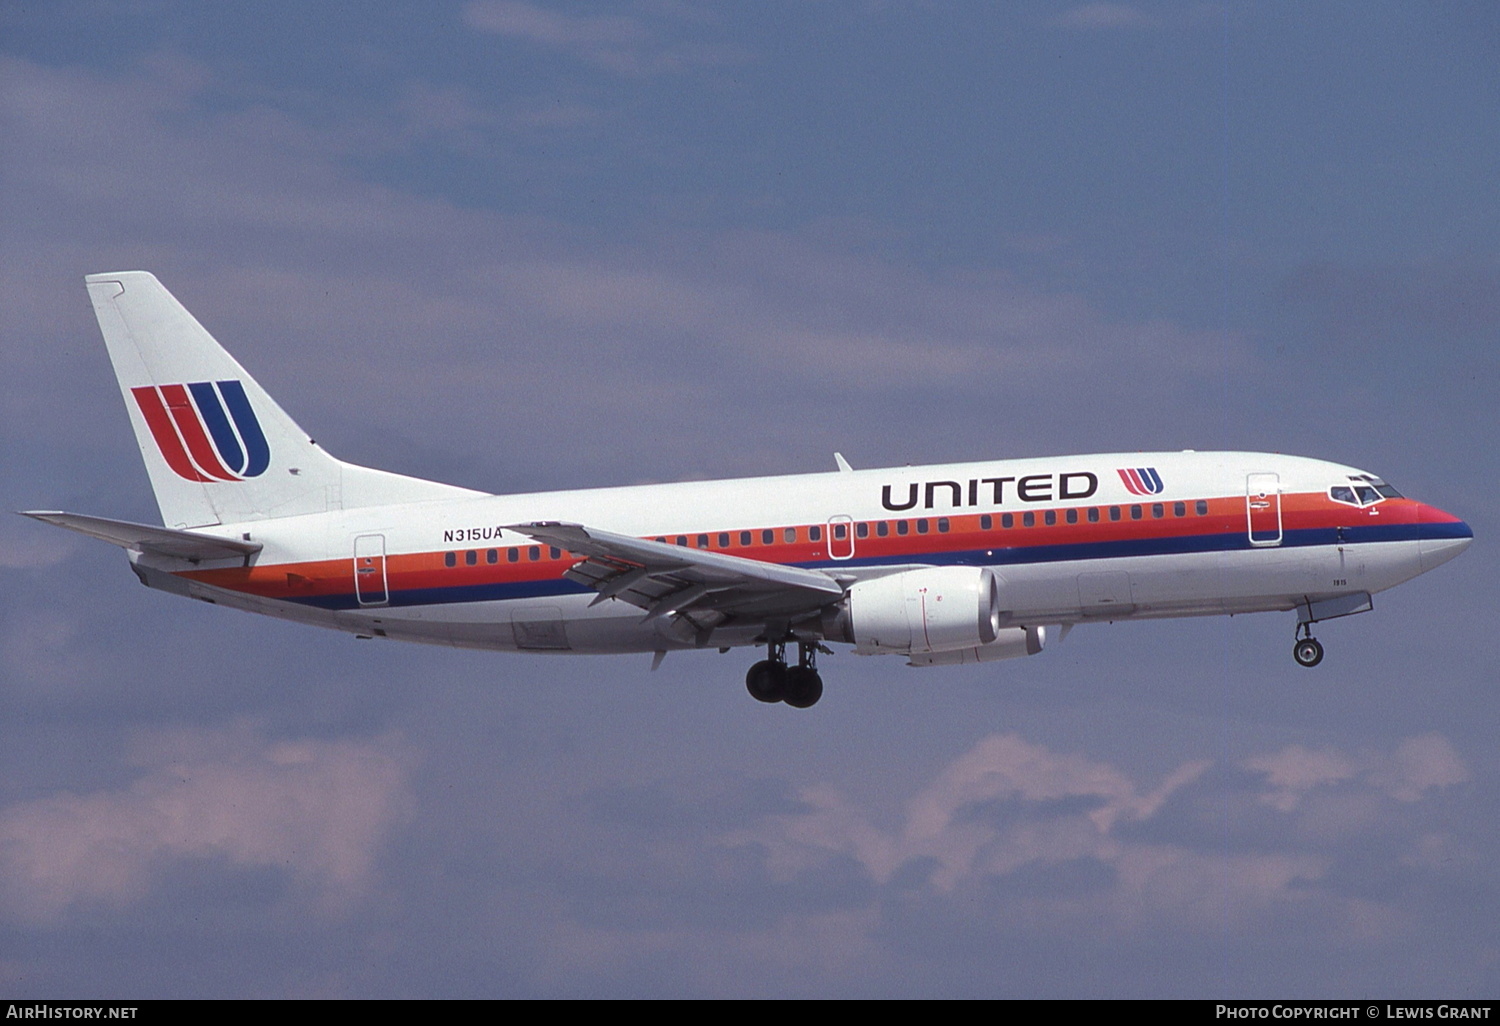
(369, 570)
(1263, 508)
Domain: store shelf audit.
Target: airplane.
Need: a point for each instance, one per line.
(947, 564)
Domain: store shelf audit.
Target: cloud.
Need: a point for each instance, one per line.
(24, 548)
(1069, 826)
(318, 811)
(622, 44)
(1098, 16)
(1418, 765)
(997, 857)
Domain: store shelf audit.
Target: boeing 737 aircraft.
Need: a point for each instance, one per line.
(947, 564)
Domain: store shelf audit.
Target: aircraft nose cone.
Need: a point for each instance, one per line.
(1443, 536)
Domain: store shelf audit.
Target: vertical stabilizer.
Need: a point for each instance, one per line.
(217, 447)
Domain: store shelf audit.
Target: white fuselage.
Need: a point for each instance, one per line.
(1069, 539)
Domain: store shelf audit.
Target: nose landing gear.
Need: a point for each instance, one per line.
(771, 680)
(1307, 650)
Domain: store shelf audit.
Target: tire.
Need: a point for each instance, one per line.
(803, 687)
(1308, 652)
(766, 681)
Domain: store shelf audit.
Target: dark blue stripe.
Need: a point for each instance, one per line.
(212, 412)
(244, 419)
(1003, 556)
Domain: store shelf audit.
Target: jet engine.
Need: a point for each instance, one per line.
(937, 609)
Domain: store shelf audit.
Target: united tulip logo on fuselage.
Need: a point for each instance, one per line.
(206, 430)
(1141, 480)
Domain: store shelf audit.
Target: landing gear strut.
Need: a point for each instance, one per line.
(771, 680)
(1307, 650)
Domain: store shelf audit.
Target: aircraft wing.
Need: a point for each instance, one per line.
(162, 541)
(705, 587)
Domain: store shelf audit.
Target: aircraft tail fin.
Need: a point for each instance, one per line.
(217, 447)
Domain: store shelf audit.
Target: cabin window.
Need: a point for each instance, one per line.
(703, 541)
(1093, 514)
(534, 553)
(986, 523)
(1201, 507)
(768, 537)
(942, 525)
(662, 540)
(1050, 517)
(723, 539)
(553, 551)
(1179, 509)
(1072, 516)
(450, 559)
(492, 556)
(1114, 512)
(1007, 520)
(682, 540)
(840, 531)
(903, 527)
(1135, 512)
(922, 525)
(512, 555)
(744, 537)
(815, 533)
(1158, 510)
(1028, 519)
(789, 535)
(471, 557)
(883, 528)
(862, 530)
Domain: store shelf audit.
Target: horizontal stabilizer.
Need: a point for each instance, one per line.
(161, 541)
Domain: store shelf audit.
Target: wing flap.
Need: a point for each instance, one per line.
(672, 579)
(161, 541)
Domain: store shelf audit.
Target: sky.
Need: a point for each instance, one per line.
(520, 246)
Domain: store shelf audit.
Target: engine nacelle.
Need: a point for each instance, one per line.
(1013, 643)
(937, 609)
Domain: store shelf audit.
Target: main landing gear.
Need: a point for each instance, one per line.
(1307, 650)
(772, 680)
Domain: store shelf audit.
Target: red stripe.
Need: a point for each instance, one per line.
(202, 450)
(157, 419)
(425, 570)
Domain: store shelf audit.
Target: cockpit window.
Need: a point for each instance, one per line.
(1363, 490)
(1385, 490)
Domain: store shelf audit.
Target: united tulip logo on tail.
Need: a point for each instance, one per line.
(1141, 480)
(206, 430)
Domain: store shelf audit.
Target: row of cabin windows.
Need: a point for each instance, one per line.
(1095, 513)
(883, 529)
(471, 557)
(839, 532)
